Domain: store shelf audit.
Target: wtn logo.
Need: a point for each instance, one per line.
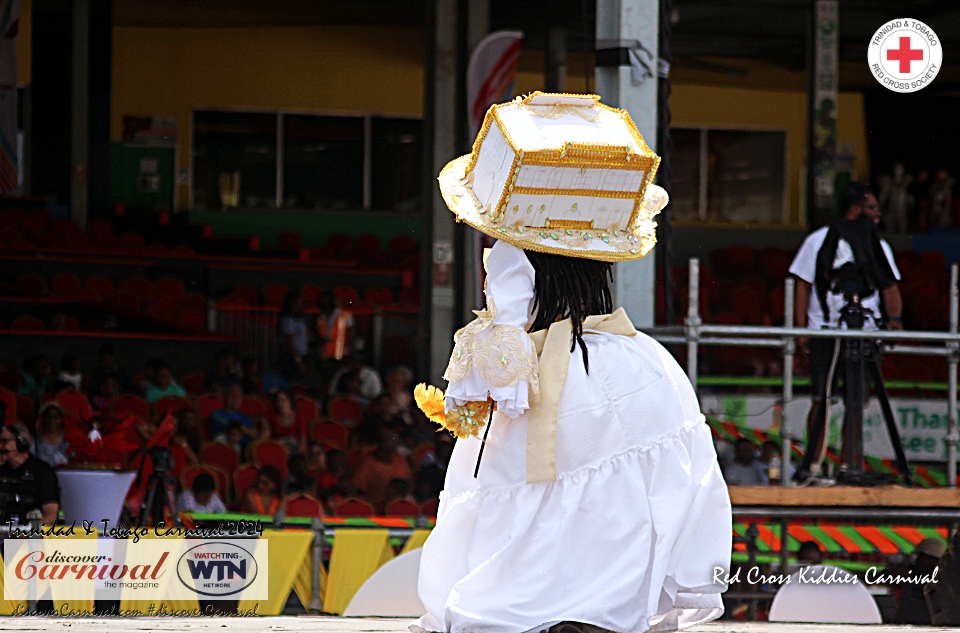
(217, 568)
(223, 568)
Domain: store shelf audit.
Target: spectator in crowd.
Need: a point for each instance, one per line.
(71, 372)
(165, 386)
(379, 467)
(250, 375)
(232, 436)
(286, 425)
(36, 378)
(106, 366)
(336, 330)
(370, 383)
(317, 462)
(51, 446)
(148, 379)
(809, 554)
(294, 338)
(264, 496)
(109, 390)
(746, 469)
(187, 433)
(913, 604)
(202, 497)
(770, 457)
(350, 386)
(224, 374)
(396, 490)
(433, 469)
(399, 384)
(299, 479)
(334, 483)
(249, 428)
(37, 485)
(382, 413)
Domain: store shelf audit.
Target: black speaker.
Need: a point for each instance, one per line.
(943, 596)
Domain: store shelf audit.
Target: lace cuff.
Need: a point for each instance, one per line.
(492, 360)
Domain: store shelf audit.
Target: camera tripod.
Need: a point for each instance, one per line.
(861, 358)
(160, 493)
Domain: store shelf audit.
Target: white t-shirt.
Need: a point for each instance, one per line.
(188, 503)
(804, 266)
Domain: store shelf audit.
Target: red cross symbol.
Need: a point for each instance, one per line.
(905, 54)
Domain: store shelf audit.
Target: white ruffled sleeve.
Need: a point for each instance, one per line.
(493, 356)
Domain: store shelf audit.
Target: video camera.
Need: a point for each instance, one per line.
(12, 502)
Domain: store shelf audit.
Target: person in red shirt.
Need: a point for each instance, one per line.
(379, 467)
(287, 426)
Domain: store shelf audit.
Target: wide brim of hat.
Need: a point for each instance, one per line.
(628, 244)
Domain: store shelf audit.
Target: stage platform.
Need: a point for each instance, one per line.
(367, 625)
(845, 496)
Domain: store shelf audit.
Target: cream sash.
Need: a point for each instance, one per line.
(553, 346)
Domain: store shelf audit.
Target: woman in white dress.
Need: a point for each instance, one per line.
(597, 501)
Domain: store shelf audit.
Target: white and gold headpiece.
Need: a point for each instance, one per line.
(562, 174)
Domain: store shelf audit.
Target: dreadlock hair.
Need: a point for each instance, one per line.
(569, 287)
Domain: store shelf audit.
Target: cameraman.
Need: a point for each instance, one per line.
(34, 481)
(858, 202)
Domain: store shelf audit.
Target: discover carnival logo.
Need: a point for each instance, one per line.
(905, 55)
(217, 569)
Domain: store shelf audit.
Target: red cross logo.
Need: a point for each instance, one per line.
(905, 54)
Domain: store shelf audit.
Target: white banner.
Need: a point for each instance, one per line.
(155, 569)
(922, 423)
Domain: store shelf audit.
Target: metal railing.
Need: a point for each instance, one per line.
(694, 333)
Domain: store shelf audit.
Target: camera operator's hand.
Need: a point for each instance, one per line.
(894, 324)
(803, 345)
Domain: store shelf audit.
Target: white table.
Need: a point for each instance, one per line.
(93, 495)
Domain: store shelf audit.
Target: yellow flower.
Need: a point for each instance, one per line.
(431, 402)
(467, 420)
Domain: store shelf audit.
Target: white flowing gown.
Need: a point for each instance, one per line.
(635, 529)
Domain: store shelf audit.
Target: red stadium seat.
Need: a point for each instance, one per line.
(347, 411)
(247, 293)
(23, 323)
(302, 505)
(132, 404)
(170, 286)
(254, 407)
(269, 452)
(193, 321)
(207, 404)
(244, 477)
(170, 404)
(161, 308)
(220, 455)
(33, 285)
(67, 286)
(139, 287)
(194, 383)
(355, 507)
(220, 478)
(100, 287)
(329, 433)
(192, 301)
(307, 407)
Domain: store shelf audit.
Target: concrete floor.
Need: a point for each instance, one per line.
(364, 625)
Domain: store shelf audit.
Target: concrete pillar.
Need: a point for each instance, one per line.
(80, 113)
(621, 24)
(478, 25)
(442, 92)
